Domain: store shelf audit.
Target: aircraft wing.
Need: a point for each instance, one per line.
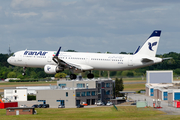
(80, 66)
(69, 64)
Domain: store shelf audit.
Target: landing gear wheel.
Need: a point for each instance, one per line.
(23, 73)
(90, 76)
(73, 76)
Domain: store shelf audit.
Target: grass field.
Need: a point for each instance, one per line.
(134, 87)
(16, 84)
(105, 113)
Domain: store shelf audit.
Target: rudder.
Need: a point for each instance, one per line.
(150, 46)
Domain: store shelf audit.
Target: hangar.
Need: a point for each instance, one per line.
(160, 85)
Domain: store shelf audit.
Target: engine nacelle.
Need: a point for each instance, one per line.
(52, 69)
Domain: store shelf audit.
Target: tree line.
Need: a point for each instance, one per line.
(9, 71)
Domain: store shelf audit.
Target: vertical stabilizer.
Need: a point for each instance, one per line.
(150, 46)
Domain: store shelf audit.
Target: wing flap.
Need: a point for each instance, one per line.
(80, 66)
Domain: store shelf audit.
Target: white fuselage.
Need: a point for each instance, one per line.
(98, 61)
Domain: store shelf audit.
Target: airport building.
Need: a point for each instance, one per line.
(160, 85)
(15, 94)
(71, 93)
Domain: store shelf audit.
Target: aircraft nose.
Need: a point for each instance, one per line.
(9, 60)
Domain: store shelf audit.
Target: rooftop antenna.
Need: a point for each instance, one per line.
(9, 51)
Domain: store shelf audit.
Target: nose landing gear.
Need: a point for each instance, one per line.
(24, 71)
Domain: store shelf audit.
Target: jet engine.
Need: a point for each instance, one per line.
(53, 69)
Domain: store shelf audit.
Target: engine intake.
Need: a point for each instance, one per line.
(52, 69)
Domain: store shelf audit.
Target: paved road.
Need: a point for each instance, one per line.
(164, 104)
(133, 82)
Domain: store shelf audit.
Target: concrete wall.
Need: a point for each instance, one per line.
(160, 95)
(170, 97)
(51, 97)
(147, 91)
(73, 83)
(155, 93)
(159, 76)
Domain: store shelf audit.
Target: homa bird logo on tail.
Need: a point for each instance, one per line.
(151, 45)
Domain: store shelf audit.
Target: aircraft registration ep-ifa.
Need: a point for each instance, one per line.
(54, 62)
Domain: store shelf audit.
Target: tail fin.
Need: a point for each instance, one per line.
(150, 46)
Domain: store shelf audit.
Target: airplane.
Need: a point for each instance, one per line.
(54, 62)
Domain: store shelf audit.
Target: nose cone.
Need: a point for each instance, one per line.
(9, 60)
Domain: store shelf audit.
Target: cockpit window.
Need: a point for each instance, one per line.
(13, 55)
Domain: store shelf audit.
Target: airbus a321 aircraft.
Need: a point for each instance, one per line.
(54, 62)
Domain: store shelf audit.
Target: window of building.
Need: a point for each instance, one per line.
(88, 93)
(26, 110)
(78, 94)
(15, 91)
(93, 93)
(83, 94)
(11, 110)
(66, 94)
(62, 85)
(80, 85)
(107, 85)
(108, 92)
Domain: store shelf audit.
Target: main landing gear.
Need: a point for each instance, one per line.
(89, 76)
(73, 76)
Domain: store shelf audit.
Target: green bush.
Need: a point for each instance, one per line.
(31, 97)
(141, 90)
(23, 80)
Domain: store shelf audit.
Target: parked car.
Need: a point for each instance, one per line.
(85, 104)
(35, 105)
(40, 105)
(22, 106)
(45, 106)
(80, 106)
(6, 100)
(133, 103)
(100, 103)
(109, 103)
(61, 106)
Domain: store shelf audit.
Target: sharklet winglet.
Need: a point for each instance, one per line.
(58, 52)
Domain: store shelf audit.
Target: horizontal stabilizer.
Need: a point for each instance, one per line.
(147, 60)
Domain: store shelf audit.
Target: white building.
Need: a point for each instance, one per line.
(16, 94)
(32, 89)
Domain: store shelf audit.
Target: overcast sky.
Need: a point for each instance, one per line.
(88, 25)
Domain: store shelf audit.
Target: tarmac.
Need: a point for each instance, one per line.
(170, 110)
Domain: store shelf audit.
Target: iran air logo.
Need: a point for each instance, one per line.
(48, 68)
(151, 45)
(55, 54)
